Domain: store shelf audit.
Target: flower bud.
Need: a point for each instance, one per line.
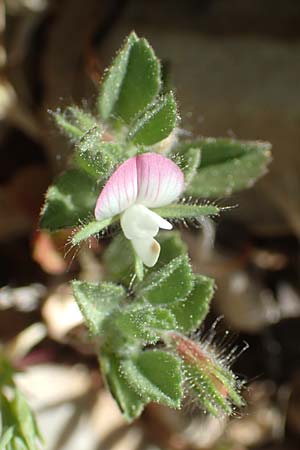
(214, 384)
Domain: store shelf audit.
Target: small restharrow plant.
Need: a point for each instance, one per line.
(129, 171)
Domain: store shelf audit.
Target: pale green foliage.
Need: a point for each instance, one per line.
(18, 427)
(134, 308)
(227, 165)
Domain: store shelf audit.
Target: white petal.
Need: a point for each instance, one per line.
(147, 249)
(138, 222)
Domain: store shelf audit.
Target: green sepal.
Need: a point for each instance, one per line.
(74, 122)
(185, 211)
(129, 402)
(131, 83)
(208, 394)
(227, 165)
(156, 376)
(91, 229)
(143, 323)
(156, 123)
(97, 301)
(171, 283)
(190, 313)
(69, 200)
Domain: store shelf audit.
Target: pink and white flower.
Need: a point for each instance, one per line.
(142, 182)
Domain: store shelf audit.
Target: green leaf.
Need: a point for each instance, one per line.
(97, 301)
(17, 415)
(156, 123)
(91, 229)
(119, 260)
(183, 211)
(130, 403)
(172, 282)
(96, 157)
(6, 437)
(112, 83)
(70, 200)
(74, 122)
(156, 376)
(26, 422)
(190, 313)
(227, 166)
(131, 83)
(143, 322)
(171, 246)
(188, 162)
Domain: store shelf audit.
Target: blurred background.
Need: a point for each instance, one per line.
(235, 65)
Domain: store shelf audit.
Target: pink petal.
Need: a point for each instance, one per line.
(119, 192)
(149, 179)
(160, 181)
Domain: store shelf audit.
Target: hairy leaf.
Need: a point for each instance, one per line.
(156, 376)
(96, 301)
(130, 402)
(143, 322)
(156, 123)
(227, 165)
(70, 199)
(74, 122)
(131, 83)
(96, 157)
(172, 282)
(190, 313)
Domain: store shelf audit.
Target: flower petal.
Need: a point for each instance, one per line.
(119, 192)
(138, 222)
(160, 181)
(147, 249)
(149, 179)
